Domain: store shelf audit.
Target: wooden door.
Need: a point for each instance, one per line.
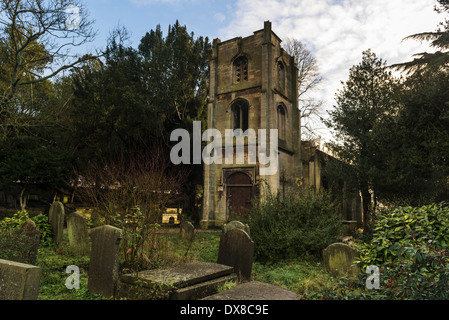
(239, 195)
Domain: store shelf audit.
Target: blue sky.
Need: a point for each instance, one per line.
(337, 31)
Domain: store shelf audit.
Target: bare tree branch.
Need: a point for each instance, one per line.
(308, 80)
(36, 37)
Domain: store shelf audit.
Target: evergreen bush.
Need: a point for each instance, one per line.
(294, 224)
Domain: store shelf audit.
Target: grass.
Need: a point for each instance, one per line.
(305, 276)
(54, 263)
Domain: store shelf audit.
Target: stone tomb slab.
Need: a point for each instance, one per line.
(177, 278)
(255, 290)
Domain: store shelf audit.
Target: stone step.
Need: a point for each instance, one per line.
(255, 290)
(201, 290)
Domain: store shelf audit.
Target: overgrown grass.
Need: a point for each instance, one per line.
(54, 263)
(303, 276)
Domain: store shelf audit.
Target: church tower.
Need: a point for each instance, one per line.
(253, 85)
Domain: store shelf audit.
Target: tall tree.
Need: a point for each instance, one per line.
(309, 80)
(35, 33)
(138, 96)
(417, 165)
(366, 101)
(439, 39)
(178, 72)
(35, 41)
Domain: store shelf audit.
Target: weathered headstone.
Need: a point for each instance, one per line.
(236, 225)
(237, 249)
(187, 231)
(19, 281)
(78, 235)
(339, 258)
(104, 260)
(56, 217)
(29, 237)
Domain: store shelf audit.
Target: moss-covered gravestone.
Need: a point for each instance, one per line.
(29, 238)
(104, 260)
(236, 225)
(78, 235)
(237, 249)
(339, 258)
(56, 217)
(187, 231)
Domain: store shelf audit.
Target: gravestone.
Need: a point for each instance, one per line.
(237, 249)
(56, 217)
(339, 258)
(187, 231)
(236, 225)
(104, 260)
(19, 281)
(29, 236)
(78, 235)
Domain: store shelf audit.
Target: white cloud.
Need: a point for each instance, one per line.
(338, 31)
(219, 17)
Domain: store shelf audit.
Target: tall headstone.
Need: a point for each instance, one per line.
(104, 260)
(56, 217)
(237, 249)
(78, 235)
(187, 231)
(19, 281)
(29, 237)
(339, 258)
(236, 225)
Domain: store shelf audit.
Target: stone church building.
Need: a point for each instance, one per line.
(253, 85)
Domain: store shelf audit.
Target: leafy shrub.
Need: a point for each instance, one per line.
(42, 222)
(417, 276)
(426, 228)
(14, 222)
(410, 246)
(13, 245)
(293, 225)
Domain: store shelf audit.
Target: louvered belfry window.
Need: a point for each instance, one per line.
(240, 69)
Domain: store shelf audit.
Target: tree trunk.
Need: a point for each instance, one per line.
(366, 202)
(22, 199)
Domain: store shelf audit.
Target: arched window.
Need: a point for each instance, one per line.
(240, 69)
(281, 75)
(240, 115)
(282, 122)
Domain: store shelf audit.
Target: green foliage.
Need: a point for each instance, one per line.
(302, 276)
(42, 222)
(15, 222)
(410, 246)
(14, 245)
(437, 60)
(10, 225)
(421, 229)
(416, 276)
(294, 225)
(139, 95)
(54, 276)
(364, 110)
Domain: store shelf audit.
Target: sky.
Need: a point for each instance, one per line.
(336, 31)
